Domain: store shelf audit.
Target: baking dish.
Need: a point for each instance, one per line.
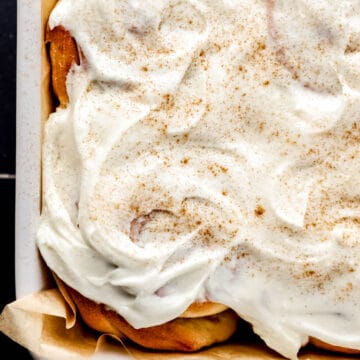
(33, 107)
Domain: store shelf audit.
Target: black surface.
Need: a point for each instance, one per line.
(7, 209)
(8, 82)
(7, 166)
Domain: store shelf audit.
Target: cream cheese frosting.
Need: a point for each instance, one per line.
(210, 150)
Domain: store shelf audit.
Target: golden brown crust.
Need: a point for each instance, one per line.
(177, 335)
(63, 54)
(322, 345)
(199, 309)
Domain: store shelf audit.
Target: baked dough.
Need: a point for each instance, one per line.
(63, 53)
(181, 334)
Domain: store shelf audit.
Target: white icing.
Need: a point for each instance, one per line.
(210, 149)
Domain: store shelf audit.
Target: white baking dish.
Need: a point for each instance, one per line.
(31, 274)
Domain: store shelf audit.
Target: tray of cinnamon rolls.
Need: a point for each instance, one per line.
(200, 171)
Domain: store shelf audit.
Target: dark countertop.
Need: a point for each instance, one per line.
(7, 166)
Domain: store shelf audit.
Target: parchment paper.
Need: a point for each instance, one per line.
(46, 324)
